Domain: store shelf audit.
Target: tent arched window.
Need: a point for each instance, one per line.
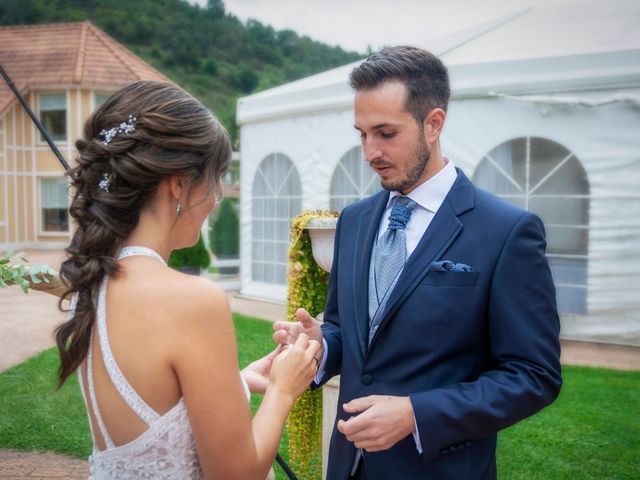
(546, 178)
(352, 180)
(276, 199)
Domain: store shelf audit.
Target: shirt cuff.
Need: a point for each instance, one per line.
(416, 436)
(320, 372)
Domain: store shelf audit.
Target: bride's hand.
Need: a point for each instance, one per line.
(293, 370)
(256, 374)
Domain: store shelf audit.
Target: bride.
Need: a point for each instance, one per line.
(155, 349)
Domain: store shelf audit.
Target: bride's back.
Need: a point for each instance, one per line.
(142, 311)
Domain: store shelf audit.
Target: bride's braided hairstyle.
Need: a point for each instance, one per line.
(118, 171)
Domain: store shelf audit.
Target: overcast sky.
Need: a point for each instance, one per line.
(357, 24)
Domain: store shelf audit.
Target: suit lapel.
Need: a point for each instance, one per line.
(442, 232)
(368, 225)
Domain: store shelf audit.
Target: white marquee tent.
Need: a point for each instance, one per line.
(545, 112)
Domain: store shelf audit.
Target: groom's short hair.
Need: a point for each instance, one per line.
(424, 75)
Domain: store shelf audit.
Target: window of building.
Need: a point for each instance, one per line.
(53, 115)
(53, 205)
(352, 180)
(276, 199)
(544, 177)
(99, 98)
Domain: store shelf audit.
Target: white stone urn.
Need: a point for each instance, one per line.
(322, 232)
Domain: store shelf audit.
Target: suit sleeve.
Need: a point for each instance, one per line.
(331, 327)
(524, 374)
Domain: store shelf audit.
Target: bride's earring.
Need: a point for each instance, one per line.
(178, 210)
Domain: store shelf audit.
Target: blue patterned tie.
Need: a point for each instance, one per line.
(391, 249)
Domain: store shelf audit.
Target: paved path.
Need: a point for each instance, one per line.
(22, 465)
(27, 323)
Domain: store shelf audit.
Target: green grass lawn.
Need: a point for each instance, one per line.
(591, 432)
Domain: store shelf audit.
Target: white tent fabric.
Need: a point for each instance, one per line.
(569, 74)
(608, 149)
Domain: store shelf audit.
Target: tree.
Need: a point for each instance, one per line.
(224, 235)
(216, 8)
(190, 258)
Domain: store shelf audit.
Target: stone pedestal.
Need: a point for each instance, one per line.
(329, 405)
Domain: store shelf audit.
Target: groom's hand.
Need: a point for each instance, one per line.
(286, 333)
(381, 421)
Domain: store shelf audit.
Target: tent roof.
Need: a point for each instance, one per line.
(587, 44)
(67, 53)
(578, 28)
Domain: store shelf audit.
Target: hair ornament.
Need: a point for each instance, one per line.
(105, 183)
(125, 128)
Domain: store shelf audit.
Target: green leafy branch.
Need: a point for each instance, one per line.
(22, 275)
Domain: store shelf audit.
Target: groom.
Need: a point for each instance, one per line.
(441, 315)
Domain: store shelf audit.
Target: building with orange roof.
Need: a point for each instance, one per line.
(64, 71)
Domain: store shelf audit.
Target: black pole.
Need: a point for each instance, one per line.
(34, 118)
(285, 467)
(279, 459)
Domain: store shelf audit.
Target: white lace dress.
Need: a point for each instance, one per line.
(167, 449)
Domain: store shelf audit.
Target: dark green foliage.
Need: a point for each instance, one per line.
(208, 52)
(210, 67)
(244, 78)
(196, 256)
(224, 235)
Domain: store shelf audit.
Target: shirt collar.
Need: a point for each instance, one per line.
(431, 194)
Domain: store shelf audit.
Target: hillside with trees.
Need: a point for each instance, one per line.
(206, 50)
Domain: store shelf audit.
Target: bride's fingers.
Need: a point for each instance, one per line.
(314, 346)
(273, 354)
(312, 353)
(302, 341)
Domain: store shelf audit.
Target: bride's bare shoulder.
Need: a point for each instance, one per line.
(192, 289)
(192, 298)
(199, 322)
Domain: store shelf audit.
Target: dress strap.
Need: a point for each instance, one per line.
(85, 396)
(129, 395)
(94, 403)
(136, 250)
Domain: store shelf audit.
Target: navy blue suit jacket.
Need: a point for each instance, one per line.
(475, 351)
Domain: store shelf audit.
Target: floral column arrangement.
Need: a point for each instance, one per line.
(308, 290)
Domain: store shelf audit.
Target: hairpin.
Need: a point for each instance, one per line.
(125, 128)
(105, 183)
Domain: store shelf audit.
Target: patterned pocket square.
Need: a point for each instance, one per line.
(449, 266)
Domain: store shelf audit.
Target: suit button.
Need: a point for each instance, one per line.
(366, 379)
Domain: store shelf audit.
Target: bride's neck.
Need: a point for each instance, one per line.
(153, 231)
